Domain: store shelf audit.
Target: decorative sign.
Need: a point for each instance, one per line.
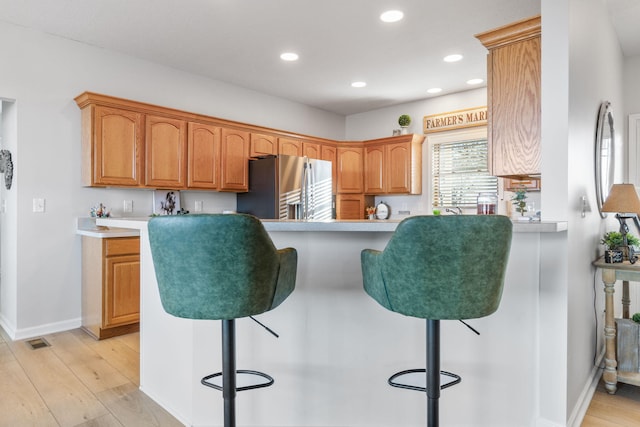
(455, 120)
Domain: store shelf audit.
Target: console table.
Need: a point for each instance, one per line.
(626, 272)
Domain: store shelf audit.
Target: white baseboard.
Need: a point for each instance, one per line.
(36, 331)
(581, 407)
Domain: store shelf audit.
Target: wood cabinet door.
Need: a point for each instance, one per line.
(117, 147)
(203, 156)
(514, 114)
(350, 206)
(330, 153)
(263, 145)
(374, 171)
(234, 162)
(311, 150)
(398, 168)
(289, 147)
(122, 290)
(165, 152)
(350, 169)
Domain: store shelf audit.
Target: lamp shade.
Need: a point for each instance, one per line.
(622, 198)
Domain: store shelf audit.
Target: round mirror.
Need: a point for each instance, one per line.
(604, 154)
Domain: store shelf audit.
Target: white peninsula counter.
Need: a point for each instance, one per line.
(337, 346)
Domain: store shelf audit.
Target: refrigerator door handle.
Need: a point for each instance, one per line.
(311, 198)
(303, 193)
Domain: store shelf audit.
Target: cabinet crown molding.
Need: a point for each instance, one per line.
(520, 30)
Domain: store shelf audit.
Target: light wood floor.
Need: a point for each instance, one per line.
(618, 410)
(78, 381)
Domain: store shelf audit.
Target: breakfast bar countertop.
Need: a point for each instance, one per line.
(342, 225)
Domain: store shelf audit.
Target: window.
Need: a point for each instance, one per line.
(460, 169)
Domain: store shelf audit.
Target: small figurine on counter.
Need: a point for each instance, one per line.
(100, 211)
(169, 204)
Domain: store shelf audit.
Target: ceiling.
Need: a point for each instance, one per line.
(338, 41)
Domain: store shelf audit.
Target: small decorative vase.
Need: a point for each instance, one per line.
(612, 256)
(372, 216)
(404, 130)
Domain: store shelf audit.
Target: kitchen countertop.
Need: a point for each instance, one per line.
(338, 225)
(87, 227)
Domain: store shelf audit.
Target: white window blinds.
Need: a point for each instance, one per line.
(460, 173)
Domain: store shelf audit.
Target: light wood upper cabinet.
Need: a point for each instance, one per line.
(350, 169)
(374, 169)
(263, 145)
(330, 153)
(393, 165)
(234, 165)
(203, 156)
(513, 94)
(289, 147)
(112, 146)
(312, 150)
(165, 152)
(398, 169)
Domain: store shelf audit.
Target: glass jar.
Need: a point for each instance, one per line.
(487, 203)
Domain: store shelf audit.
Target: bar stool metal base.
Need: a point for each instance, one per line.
(447, 379)
(242, 376)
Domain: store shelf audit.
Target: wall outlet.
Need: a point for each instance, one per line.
(128, 206)
(198, 206)
(38, 205)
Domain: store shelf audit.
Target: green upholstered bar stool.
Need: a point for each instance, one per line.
(436, 268)
(221, 267)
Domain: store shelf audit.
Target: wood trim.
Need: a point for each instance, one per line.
(414, 138)
(89, 98)
(517, 31)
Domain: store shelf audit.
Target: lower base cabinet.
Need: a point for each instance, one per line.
(110, 286)
(352, 206)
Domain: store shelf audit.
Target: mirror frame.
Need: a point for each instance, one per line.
(604, 154)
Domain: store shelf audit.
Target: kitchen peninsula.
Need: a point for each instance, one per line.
(337, 347)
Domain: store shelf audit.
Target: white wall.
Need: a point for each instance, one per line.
(581, 52)
(594, 47)
(8, 219)
(631, 87)
(43, 74)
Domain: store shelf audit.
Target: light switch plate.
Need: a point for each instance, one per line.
(38, 205)
(128, 206)
(198, 206)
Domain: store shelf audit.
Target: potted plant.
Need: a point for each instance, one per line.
(519, 200)
(404, 121)
(613, 241)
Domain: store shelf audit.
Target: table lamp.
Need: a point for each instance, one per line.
(623, 200)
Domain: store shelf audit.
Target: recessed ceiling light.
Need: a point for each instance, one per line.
(391, 16)
(434, 90)
(358, 84)
(289, 56)
(474, 81)
(452, 58)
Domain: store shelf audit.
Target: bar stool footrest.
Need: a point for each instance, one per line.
(242, 376)
(447, 379)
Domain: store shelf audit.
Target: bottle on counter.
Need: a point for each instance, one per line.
(487, 203)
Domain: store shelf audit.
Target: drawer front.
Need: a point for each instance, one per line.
(121, 246)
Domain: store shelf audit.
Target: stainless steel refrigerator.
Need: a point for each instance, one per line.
(288, 187)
